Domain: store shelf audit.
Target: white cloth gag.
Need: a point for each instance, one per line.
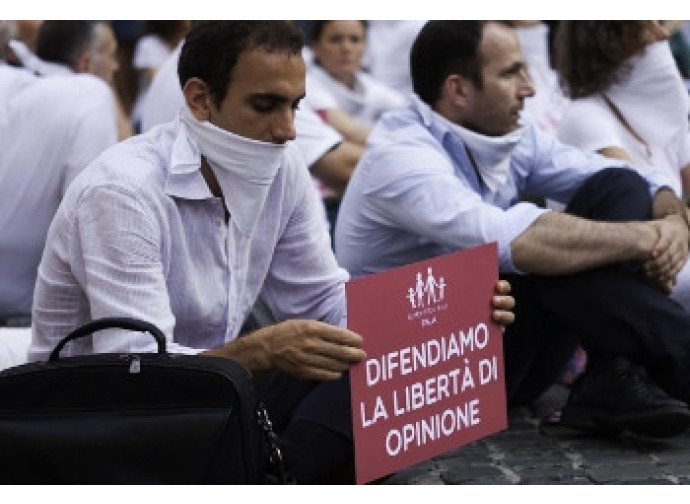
(244, 168)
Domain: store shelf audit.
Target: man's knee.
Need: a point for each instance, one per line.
(613, 194)
(619, 178)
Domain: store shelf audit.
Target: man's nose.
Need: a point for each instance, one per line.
(284, 127)
(348, 45)
(526, 86)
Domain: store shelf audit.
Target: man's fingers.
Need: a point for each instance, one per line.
(503, 317)
(333, 334)
(503, 302)
(314, 366)
(503, 287)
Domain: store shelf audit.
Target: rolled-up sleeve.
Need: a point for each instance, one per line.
(105, 258)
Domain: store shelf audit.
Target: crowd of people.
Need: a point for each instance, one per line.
(260, 165)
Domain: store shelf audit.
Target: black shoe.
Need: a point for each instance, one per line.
(621, 397)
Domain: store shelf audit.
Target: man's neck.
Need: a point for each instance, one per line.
(210, 179)
(213, 185)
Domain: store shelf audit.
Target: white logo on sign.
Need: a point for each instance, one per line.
(426, 292)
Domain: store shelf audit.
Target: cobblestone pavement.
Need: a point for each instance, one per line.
(526, 454)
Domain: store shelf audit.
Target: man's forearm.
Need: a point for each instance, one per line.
(559, 243)
(249, 350)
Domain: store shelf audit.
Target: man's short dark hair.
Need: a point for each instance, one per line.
(443, 48)
(211, 49)
(64, 42)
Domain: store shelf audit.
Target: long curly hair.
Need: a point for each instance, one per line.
(591, 55)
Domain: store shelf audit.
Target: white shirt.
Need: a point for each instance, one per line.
(150, 52)
(164, 97)
(12, 79)
(49, 131)
(365, 101)
(653, 100)
(14, 343)
(387, 55)
(140, 235)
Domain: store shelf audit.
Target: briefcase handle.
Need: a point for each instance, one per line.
(110, 323)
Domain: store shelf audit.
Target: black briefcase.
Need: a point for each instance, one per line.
(155, 418)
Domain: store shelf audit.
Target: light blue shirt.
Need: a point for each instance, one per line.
(415, 194)
(140, 235)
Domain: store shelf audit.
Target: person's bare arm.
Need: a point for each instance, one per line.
(558, 243)
(346, 125)
(336, 166)
(306, 349)
(315, 350)
(670, 252)
(685, 180)
(616, 153)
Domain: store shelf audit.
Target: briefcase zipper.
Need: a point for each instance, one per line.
(275, 458)
(135, 365)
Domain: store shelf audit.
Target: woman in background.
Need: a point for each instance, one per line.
(344, 95)
(158, 40)
(628, 101)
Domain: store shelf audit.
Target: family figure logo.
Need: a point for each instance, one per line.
(426, 292)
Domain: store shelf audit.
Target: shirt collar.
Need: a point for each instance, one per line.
(184, 175)
(423, 110)
(32, 62)
(439, 126)
(441, 129)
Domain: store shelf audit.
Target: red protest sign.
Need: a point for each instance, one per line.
(433, 378)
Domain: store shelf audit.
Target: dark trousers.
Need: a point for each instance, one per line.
(313, 422)
(610, 311)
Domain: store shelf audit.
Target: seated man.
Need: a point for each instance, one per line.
(50, 129)
(82, 47)
(447, 174)
(188, 225)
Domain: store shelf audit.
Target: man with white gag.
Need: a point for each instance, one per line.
(450, 173)
(188, 225)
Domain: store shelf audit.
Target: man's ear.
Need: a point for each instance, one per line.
(83, 63)
(198, 98)
(457, 89)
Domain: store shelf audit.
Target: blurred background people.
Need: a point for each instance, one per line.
(387, 55)
(346, 97)
(157, 41)
(628, 101)
(51, 127)
(11, 78)
(77, 47)
(24, 32)
(546, 107)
